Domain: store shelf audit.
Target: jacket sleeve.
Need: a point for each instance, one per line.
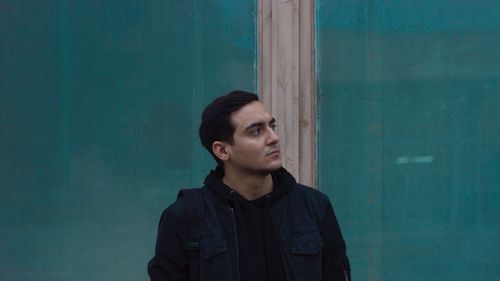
(170, 262)
(335, 262)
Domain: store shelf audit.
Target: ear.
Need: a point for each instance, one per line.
(221, 150)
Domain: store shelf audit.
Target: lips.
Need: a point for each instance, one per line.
(273, 152)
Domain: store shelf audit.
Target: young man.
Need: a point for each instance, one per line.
(257, 223)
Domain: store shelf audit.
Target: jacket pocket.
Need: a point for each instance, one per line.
(309, 243)
(214, 259)
(210, 247)
(306, 256)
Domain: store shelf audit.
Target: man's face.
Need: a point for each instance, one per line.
(255, 142)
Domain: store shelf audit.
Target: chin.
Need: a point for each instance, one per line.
(275, 167)
(268, 169)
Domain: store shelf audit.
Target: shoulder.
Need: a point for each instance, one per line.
(174, 219)
(310, 194)
(186, 197)
(308, 200)
(174, 212)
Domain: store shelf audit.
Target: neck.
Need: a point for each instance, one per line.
(250, 186)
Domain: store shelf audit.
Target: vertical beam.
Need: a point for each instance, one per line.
(287, 80)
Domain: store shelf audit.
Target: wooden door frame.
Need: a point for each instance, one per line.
(287, 79)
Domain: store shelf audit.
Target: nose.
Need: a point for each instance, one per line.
(273, 137)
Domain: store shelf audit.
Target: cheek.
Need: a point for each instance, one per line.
(249, 152)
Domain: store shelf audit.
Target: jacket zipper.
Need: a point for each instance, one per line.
(236, 240)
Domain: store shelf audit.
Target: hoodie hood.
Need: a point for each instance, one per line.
(283, 181)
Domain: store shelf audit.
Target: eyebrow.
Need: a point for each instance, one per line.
(259, 124)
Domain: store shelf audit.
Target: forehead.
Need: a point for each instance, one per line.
(250, 113)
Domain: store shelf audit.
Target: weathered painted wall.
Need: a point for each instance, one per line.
(409, 135)
(99, 107)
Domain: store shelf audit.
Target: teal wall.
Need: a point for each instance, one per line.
(409, 135)
(99, 107)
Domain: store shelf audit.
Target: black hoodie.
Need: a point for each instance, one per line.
(259, 251)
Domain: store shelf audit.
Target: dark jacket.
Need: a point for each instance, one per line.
(309, 237)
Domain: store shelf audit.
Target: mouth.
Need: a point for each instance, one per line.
(274, 152)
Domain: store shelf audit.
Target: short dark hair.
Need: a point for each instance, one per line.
(216, 122)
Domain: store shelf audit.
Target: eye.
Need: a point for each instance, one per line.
(255, 131)
(273, 126)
